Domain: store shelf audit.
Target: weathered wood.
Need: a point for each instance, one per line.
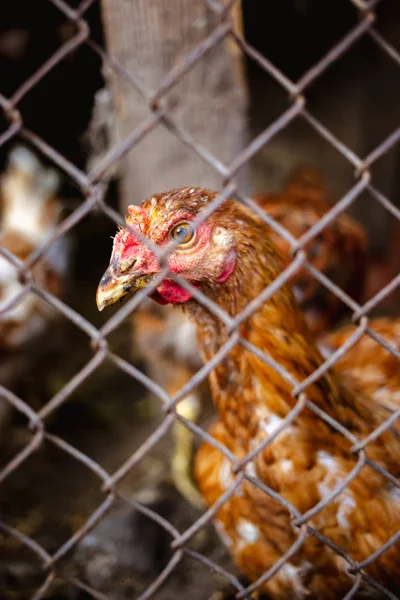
(148, 38)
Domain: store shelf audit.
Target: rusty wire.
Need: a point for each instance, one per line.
(89, 184)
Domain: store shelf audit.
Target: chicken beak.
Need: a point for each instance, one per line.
(113, 288)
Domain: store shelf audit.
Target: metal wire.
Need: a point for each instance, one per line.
(88, 184)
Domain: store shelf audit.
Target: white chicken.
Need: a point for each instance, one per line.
(30, 212)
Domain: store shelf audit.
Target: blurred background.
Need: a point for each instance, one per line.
(84, 105)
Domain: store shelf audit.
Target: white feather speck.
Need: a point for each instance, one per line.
(346, 505)
(293, 576)
(250, 469)
(225, 474)
(328, 461)
(271, 424)
(10, 288)
(345, 501)
(248, 531)
(286, 465)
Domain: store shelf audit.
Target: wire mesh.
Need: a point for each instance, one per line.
(90, 185)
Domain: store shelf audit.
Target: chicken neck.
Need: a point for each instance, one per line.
(243, 385)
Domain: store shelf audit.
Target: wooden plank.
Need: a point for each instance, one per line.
(149, 38)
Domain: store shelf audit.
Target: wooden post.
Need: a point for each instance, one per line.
(148, 38)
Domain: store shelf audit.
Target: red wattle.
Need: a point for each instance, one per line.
(170, 292)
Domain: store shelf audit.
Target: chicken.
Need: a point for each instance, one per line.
(166, 338)
(231, 259)
(30, 212)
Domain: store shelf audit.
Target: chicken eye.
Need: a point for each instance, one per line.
(182, 233)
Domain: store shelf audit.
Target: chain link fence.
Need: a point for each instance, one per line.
(90, 184)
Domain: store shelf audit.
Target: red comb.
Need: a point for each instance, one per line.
(124, 240)
(137, 217)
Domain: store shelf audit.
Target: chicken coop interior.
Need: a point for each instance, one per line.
(110, 434)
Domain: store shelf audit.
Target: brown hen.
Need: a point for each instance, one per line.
(230, 257)
(165, 338)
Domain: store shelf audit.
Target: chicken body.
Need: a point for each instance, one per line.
(166, 339)
(232, 259)
(305, 464)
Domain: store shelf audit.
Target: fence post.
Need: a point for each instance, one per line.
(149, 37)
